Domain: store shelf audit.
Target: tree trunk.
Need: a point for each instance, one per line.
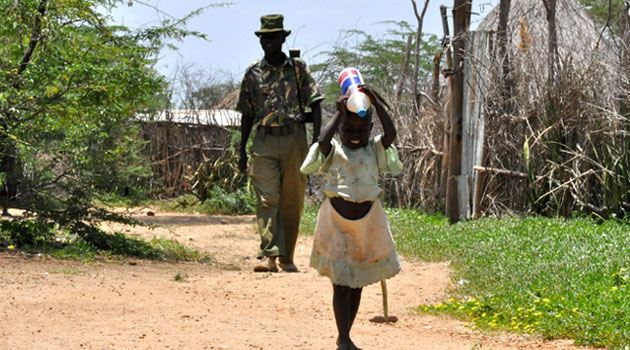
(461, 23)
(416, 68)
(552, 43)
(9, 158)
(504, 57)
(404, 68)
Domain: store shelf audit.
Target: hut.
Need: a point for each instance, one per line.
(178, 141)
(522, 156)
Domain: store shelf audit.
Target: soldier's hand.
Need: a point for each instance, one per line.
(242, 164)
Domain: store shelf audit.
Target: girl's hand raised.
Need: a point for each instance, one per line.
(341, 104)
(375, 97)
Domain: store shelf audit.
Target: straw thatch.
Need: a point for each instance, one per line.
(580, 43)
(545, 133)
(229, 101)
(576, 31)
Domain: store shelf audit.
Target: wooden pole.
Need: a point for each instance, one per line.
(385, 306)
(446, 43)
(624, 25)
(461, 23)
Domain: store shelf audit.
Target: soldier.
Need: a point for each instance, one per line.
(275, 92)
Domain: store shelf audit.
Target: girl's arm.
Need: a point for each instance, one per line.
(328, 131)
(316, 111)
(389, 129)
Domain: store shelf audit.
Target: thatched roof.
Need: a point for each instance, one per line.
(229, 101)
(578, 37)
(581, 47)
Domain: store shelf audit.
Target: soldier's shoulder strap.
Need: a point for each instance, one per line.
(252, 66)
(299, 65)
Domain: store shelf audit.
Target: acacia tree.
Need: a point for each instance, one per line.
(71, 86)
(378, 59)
(201, 88)
(606, 12)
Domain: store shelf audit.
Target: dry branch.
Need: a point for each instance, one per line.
(484, 169)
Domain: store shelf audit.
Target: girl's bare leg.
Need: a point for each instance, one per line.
(346, 302)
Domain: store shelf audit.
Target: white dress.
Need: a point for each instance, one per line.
(353, 253)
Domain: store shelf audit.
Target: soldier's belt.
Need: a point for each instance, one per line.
(278, 130)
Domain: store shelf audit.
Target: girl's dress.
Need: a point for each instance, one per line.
(353, 253)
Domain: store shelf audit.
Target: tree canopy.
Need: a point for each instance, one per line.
(379, 59)
(71, 87)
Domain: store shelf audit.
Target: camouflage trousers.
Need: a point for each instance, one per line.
(279, 185)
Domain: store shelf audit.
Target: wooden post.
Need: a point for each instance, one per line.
(624, 25)
(385, 304)
(461, 22)
(447, 117)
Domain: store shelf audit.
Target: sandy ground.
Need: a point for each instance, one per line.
(136, 304)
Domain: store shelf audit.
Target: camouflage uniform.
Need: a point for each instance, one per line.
(269, 96)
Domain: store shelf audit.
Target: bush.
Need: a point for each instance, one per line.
(240, 201)
(28, 233)
(221, 187)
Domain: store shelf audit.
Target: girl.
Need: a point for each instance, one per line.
(353, 244)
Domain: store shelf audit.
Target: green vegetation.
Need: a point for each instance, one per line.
(41, 237)
(605, 12)
(180, 277)
(554, 277)
(219, 202)
(309, 218)
(67, 271)
(379, 59)
(71, 89)
(220, 187)
(240, 201)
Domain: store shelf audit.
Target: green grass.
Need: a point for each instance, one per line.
(239, 202)
(67, 271)
(309, 219)
(552, 277)
(180, 277)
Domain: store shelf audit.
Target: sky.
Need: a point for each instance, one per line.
(315, 26)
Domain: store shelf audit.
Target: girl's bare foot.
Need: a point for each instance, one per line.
(346, 346)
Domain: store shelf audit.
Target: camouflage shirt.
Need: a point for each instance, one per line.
(269, 94)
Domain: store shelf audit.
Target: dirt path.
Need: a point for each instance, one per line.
(54, 304)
